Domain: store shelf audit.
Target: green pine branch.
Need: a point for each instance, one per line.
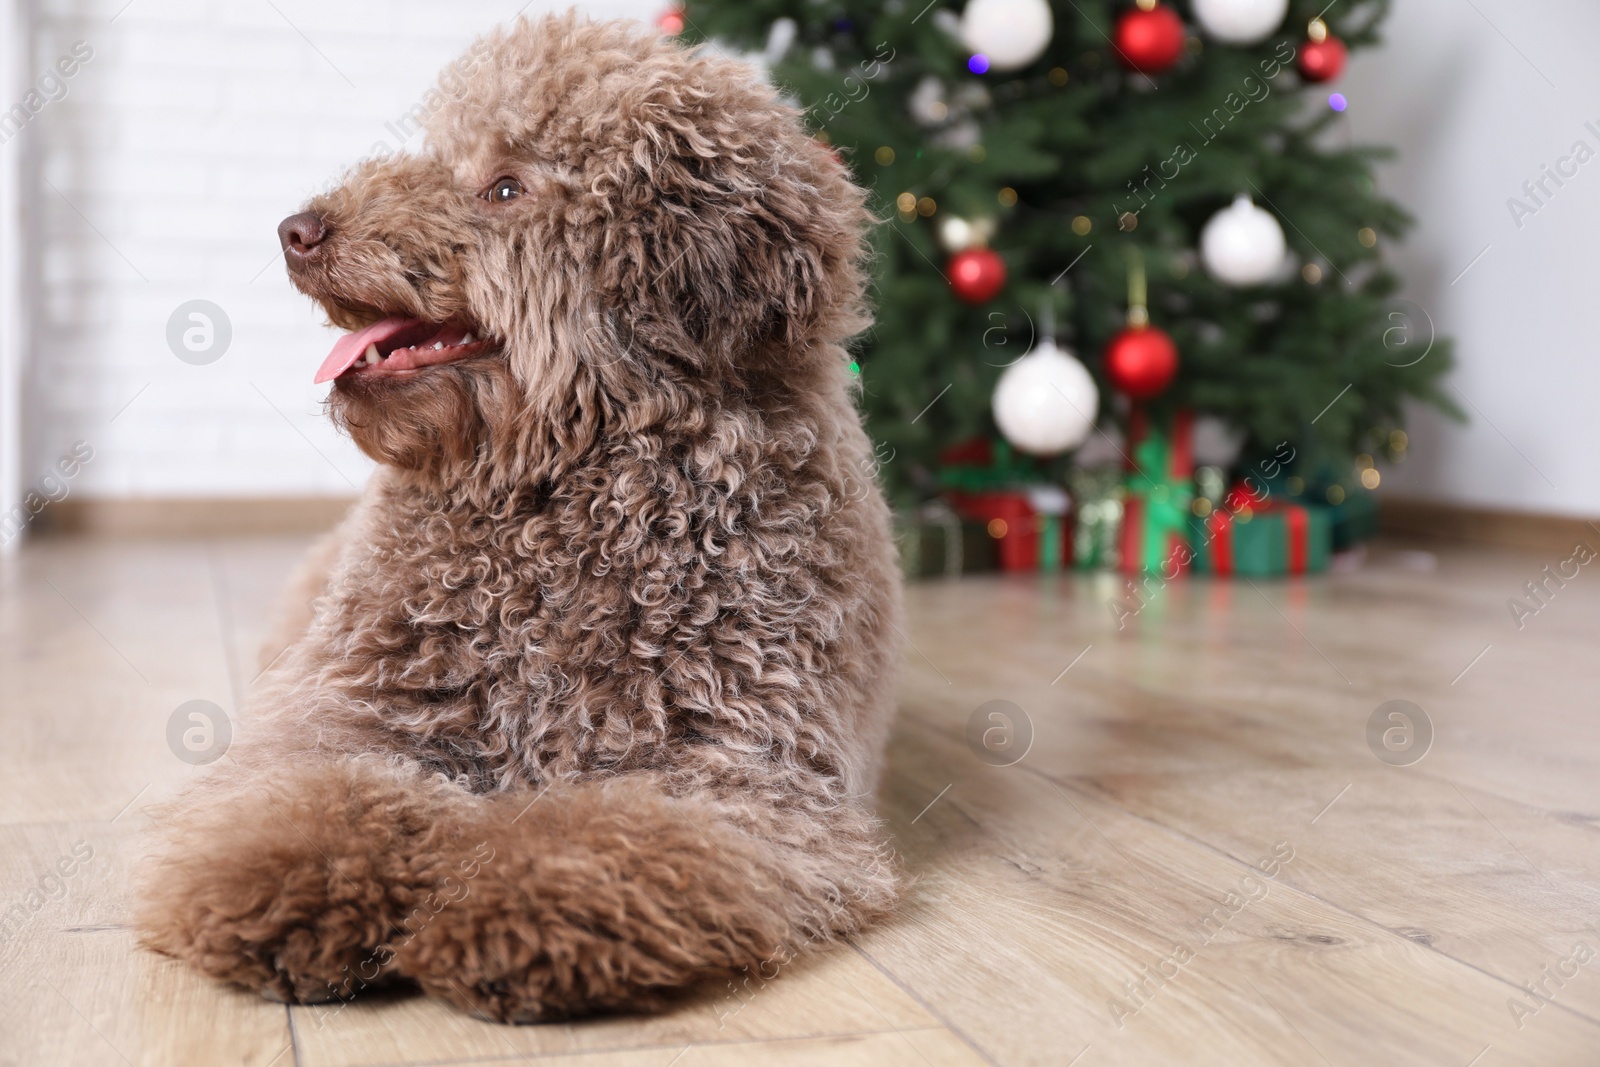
(1036, 151)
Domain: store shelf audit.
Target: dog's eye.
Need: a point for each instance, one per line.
(504, 189)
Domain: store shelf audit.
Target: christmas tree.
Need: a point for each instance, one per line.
(1033, 162)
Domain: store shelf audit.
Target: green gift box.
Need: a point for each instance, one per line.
(1263, 541)
(1158, 491)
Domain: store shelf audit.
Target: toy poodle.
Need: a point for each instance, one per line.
(586, 700)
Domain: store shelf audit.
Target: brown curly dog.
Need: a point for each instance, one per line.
(592, 697)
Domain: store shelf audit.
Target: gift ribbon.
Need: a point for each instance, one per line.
(1221, 526)
(1050, 542)
(1297, 530)
(1159, 491)
(1299, 523)
(1132, 523)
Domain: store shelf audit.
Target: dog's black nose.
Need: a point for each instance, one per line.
(301, 235)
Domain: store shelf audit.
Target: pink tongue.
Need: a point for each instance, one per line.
(347, 351)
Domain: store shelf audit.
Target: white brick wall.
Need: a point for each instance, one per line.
(197, 126)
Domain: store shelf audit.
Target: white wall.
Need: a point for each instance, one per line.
(197, 126)
(13, 55)
(1473, 120)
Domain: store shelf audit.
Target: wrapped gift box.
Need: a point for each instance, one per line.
(1028, 526)
(936, 542)
(1159, 488)
(1263, 540)
(1097, 503)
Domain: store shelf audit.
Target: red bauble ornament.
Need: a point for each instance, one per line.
(977, 275)
(1149, 40)
(671, 22)
(1323, 61)
(1141, 361)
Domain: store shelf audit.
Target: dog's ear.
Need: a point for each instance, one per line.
(738, 239)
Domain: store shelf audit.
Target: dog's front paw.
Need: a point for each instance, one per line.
(521, 947)
(287, 921)
(292, 887)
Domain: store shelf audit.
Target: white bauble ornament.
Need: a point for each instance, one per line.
(1215, 443)
(1240, 21)
(927, 103)
(957, 234)
(960, 135)
(1009, 33)
(1243, 245)
(1045, 402)
(780, 36)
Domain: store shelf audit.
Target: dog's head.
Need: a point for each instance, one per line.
(602, 231)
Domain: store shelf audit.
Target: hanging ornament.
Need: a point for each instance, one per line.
(976, 275)
(1149, 39)
(1243, 245)
(957, 234)
(1322, 57)
(1240, 21)
(1216, 443)
(1045, 403)
(671, 21)
(1006, 34)
(1142, 360)
(780, 38)
(927, 103)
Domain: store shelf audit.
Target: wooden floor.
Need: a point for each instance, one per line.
(1199, 860)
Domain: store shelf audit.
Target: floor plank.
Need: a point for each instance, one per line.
(905, 1048)
(834, 993)
(76, 989)
(1086, 898)
(1173, 752)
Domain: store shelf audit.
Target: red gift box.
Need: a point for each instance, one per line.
(1021, 531)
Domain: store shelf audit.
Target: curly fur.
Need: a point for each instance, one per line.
(594, 695)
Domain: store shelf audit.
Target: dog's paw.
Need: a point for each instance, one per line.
(531, 994)
(504, 954)
(296, 883)
(288, 922)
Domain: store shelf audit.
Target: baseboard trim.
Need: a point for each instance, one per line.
(211, 517)
(1537, 532)
(201, 517)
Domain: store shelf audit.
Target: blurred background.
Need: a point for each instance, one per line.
(155, 174)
